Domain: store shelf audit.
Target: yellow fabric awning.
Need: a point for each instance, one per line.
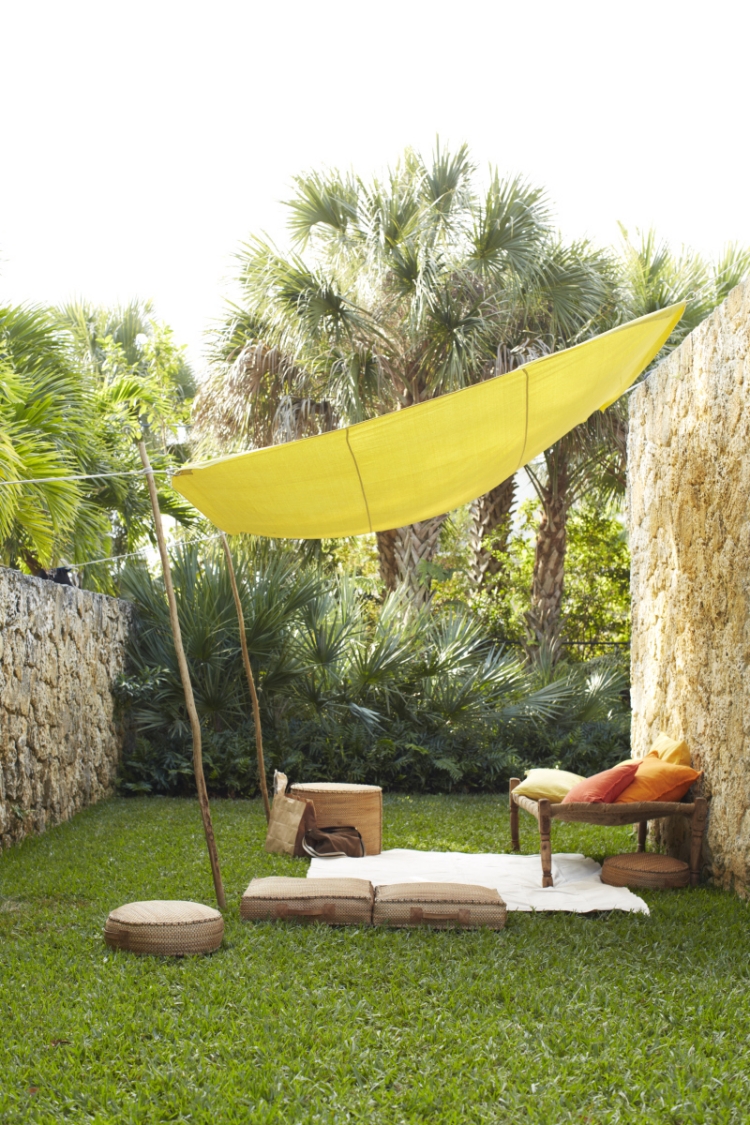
(425, 460)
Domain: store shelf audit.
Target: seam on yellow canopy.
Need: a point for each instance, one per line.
(359, 478)
(525, 426)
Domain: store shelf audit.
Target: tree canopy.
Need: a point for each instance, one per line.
(77, 386)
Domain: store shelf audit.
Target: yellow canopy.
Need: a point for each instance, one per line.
(425, 460)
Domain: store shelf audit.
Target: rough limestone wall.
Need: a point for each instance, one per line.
(689, 512)
(61, 650)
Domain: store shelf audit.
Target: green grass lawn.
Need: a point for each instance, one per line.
(609, 1018)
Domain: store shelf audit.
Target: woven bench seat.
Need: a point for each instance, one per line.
(636, 812)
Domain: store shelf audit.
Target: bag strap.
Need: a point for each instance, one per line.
(321, 855)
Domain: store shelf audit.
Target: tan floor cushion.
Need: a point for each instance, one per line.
(438, 904)
(336, 901)
(168, 927)
(645, 869)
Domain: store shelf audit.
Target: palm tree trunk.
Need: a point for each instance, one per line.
(549, 561)
(35, 567)
(387, 558)
(417, 543)
(493, 510)
(491, 513)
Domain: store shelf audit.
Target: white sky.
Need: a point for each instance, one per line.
(141, 142)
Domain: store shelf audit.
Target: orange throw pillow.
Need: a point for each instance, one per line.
(658, 781)
(603, 788)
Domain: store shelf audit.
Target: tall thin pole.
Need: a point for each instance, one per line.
(187, 687)
(250, 679)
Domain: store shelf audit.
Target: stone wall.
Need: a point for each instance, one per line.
(689, 513)
(61, 650)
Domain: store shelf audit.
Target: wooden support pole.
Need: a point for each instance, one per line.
(187, 687)
(250, 679)
(642, 835)
(515, 843)
(545, 822)
(700, 813)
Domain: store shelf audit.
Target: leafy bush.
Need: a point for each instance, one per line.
(408, 700)
(596, 595)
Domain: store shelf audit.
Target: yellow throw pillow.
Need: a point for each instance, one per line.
(549, 784)
(668, 750)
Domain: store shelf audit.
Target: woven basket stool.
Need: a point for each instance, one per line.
(358, 805)
(438, 904)
(167, 927)
(645, 869)
(340, 902)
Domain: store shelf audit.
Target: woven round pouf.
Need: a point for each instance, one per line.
(360, 806)
(166, 927)
(645, 869)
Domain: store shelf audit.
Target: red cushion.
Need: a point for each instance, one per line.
(603, 788)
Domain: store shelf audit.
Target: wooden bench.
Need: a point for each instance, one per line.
(637, 812)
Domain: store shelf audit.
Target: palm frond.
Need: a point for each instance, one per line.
(447, 182)
(655, 277)
(571, 285)
(508, 227)
(732, 267)
(325, 204)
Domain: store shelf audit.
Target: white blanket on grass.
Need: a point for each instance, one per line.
(518, 878)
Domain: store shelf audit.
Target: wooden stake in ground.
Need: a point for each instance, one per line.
(187, 687)
(250, 679)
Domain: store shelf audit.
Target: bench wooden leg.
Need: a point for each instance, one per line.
(642, 833)
(545, 845)
(515, 843)
(696, 838)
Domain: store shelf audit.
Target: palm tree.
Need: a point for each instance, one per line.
(566, 471)
(141, 384)
(62, 415)
(654, 276)
(646, 278)
(42, 408)
(412, 287)
(127, 336)
(585, 460)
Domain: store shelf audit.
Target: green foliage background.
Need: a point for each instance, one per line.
(351, 687)
(596, 597)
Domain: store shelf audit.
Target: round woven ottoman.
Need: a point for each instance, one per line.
(360, 806)
(167, 927)
(645, 869)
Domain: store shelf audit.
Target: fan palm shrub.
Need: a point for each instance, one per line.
(402, 698)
